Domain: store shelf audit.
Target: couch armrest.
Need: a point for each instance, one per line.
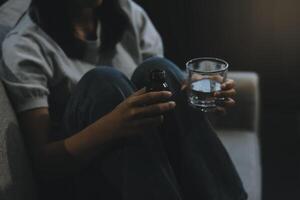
(245, 115)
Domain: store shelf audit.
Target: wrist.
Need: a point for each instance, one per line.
(92, 139)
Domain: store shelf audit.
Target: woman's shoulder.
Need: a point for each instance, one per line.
(26, 36)
(24, 28)
(24, 43)
(133, 9)
(137, 15)
(17, 45)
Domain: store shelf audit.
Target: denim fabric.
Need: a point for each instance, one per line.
(183, 159)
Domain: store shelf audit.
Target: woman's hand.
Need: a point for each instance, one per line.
(140, 112)
(228, 92)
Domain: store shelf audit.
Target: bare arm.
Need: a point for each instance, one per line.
(69, 155)
(61, 157)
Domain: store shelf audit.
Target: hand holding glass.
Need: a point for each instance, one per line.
(205, 77)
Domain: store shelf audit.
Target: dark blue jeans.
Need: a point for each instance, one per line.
(183, 159)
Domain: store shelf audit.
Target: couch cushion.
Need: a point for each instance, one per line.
(16, 181)
(243, 148)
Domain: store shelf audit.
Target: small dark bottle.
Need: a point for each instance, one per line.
(170, 139)
(157, 79)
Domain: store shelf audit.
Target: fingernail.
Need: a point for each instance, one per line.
(169, 94)
(172, 103)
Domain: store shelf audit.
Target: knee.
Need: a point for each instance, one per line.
(103, 78)
(102, 74)
(142, 72)
(159, 63)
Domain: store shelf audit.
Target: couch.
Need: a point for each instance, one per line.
(238, 130)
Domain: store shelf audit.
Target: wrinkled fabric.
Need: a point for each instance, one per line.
(37, 73)
(183, 159)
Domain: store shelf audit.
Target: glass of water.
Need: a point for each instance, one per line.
(205, 77)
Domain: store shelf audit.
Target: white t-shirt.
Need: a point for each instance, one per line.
(37, 73)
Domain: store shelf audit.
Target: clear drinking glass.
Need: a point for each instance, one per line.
(205, 77)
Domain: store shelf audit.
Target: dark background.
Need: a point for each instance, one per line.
(253, 35)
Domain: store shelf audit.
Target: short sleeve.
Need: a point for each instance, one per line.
(25, 73)
(150, 40)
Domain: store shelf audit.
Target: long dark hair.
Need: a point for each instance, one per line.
(53, 17)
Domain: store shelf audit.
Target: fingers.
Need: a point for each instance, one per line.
(139, 92)
(150, 98)
(217, 78)
(196, 77)
(223, 105)
(153, 110)
(225, 93)
(229, 84)
(227, 103)
(184, 85)
(221, 110)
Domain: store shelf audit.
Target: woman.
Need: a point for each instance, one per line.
(94, 134)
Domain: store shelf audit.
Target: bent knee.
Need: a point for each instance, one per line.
(162, 64)
(155, 63)
(103, 74)
(159, 63)
(102, 78)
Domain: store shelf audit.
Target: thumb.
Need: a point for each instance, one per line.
(184, 85)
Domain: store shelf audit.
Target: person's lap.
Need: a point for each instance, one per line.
(139, 167)
(98, 93)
